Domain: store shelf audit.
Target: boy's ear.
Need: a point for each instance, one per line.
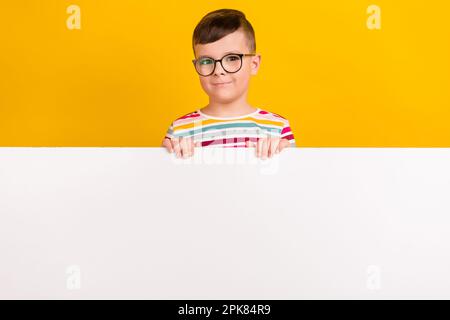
(256, 62)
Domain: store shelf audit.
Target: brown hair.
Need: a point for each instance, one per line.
(217, 24)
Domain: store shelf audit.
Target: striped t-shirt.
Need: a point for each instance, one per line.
(231, 131)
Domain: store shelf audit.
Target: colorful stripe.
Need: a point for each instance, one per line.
(233, 132)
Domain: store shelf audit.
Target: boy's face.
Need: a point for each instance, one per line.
(233, 85)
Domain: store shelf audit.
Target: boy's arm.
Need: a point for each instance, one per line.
(183, 147)
(286, 133)
(169, 132)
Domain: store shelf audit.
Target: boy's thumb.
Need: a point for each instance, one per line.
(197, 144)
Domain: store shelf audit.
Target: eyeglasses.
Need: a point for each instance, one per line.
(231, 63)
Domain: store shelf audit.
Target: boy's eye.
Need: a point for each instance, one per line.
(205, 61)
(232, 58)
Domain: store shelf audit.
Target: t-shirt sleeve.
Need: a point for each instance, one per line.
(286, 133)
(169, 132)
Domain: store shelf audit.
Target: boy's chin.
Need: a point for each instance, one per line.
(223, 98)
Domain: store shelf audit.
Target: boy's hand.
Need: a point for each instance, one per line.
(268, 146)
(265, 147)
(183, 147)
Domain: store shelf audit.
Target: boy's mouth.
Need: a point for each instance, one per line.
(221, 84)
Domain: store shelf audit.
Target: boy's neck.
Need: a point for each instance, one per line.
(224, 110)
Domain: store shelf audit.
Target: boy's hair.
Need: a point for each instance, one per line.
(217, 24)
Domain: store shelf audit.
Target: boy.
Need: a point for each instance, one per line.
(225, 59)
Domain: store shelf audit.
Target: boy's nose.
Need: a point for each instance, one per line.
(219, 69)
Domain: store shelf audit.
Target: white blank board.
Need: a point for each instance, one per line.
(135, 223)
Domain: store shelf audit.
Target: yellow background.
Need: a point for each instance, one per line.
(122, 78)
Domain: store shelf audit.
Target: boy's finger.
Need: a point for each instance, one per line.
(283, 144)
(187, 150)
(273, 146)
(190, 144)
(184, 147)
(167, 144)
(259, 145)
(176, 147)
(198, 144)
(187, 147)
(265, 148)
